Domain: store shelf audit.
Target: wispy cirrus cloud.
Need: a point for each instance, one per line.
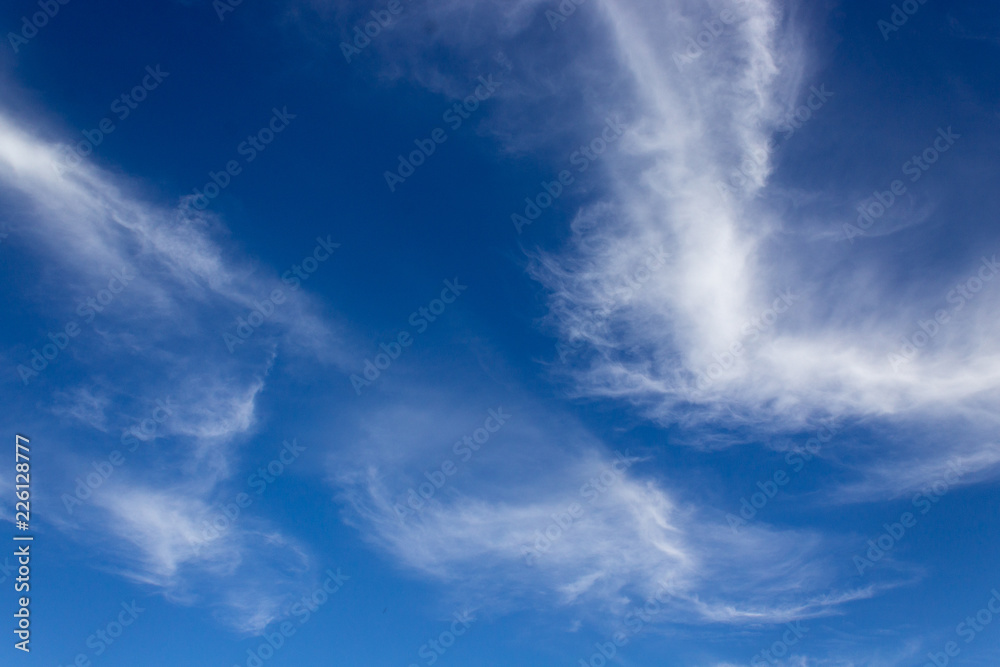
(179, 288)
(706, 338)
(582, 528)
(755, 322)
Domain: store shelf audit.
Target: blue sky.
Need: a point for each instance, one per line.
(525, 333)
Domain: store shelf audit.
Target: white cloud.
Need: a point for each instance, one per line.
(160, 339)
(575, 529)
(248, 573)
(664, 348)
